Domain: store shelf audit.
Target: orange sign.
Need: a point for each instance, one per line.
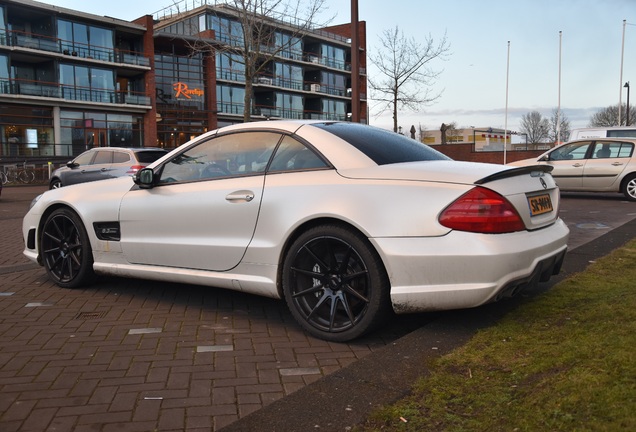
(182, 89)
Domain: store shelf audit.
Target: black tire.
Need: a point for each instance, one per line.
(335, 284)
(629, 187)
(66, 250)
(55, 183)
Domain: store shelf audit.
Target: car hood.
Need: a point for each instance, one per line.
(443, 171)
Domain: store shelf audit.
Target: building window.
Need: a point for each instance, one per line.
(87, 83)
(230, 67)
(26, 131)
(81, 131)
(230, 100)
(82, 40)
(226, 30)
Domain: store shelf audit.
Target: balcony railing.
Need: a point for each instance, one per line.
(59, 91)
(53, 44)
(274, 112)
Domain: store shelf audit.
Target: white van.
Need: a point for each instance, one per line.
(603, 132)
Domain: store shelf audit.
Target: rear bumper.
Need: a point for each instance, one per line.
(464, 270)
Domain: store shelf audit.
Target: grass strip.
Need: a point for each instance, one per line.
(563, 361)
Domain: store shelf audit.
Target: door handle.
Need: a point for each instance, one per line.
(617, 163)
(576, 165)
(244, 196)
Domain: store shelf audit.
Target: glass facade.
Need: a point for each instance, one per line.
(80, 131)
(87, 84)
(180, 96)
(26, 131)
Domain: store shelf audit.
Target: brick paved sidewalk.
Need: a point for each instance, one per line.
(131, 355)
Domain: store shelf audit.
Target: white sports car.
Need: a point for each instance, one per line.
(344, 221)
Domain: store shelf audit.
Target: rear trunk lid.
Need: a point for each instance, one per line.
(531, 189)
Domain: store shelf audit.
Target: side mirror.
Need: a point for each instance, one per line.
(544, 158)
(145, 178)
(71, 164)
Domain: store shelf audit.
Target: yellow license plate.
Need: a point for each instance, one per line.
(540, 204)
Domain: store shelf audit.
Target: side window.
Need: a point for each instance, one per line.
(103, 157)
(120, 157)
(575, 151)
(293, 155)
(612, 150)
(626, 150)
(84, 158)
(237, 154)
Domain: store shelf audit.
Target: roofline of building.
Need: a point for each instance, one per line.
(228, 10)
(75, 13)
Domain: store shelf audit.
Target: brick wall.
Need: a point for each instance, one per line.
(464, 152)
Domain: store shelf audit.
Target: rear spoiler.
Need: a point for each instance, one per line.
(533, 170)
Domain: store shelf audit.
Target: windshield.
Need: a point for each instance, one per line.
(382, 146)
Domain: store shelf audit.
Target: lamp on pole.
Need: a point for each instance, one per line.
(627, 112)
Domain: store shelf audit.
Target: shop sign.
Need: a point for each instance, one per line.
(185, 91)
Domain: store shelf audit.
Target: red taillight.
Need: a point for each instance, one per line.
(133, 169)
(484, 211)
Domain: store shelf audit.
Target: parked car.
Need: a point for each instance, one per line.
(102, 163)
(347, 222)
(592, 165)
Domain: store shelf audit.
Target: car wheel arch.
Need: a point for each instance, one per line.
(307, 225)
(47, 213)
(53, 181)
(631, 177)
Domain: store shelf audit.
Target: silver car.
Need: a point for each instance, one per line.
(592, 165)
(104, 163)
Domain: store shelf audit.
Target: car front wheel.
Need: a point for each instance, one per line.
(629, 187)
(335, 284)
(55, 184)
(65, 249)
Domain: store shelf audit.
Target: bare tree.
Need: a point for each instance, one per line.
(606, 117)
(535, 126)
(554, 132)
(405, 74)
(253, 35)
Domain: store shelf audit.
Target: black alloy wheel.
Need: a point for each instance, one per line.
(66, 250)
(335, 284)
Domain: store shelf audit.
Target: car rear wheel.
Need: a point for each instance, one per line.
(55, 184)
(66, 250)
(335, 284)
(629, 187)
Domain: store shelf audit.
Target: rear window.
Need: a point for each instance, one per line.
(149, 156)
(380, 145)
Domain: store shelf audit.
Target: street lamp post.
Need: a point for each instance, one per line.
(627, 112)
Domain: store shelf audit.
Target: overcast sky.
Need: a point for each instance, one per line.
(473, 79)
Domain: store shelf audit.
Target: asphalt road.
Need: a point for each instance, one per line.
(139, 355)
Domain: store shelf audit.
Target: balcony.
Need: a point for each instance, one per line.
(74, 93)
(52, 44)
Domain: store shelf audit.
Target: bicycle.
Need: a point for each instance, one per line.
(11, 174)
(8, 174)
(27, 173)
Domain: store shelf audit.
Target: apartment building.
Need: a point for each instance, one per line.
(70, 80)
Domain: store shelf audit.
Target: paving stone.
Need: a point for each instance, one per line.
(86, 359)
